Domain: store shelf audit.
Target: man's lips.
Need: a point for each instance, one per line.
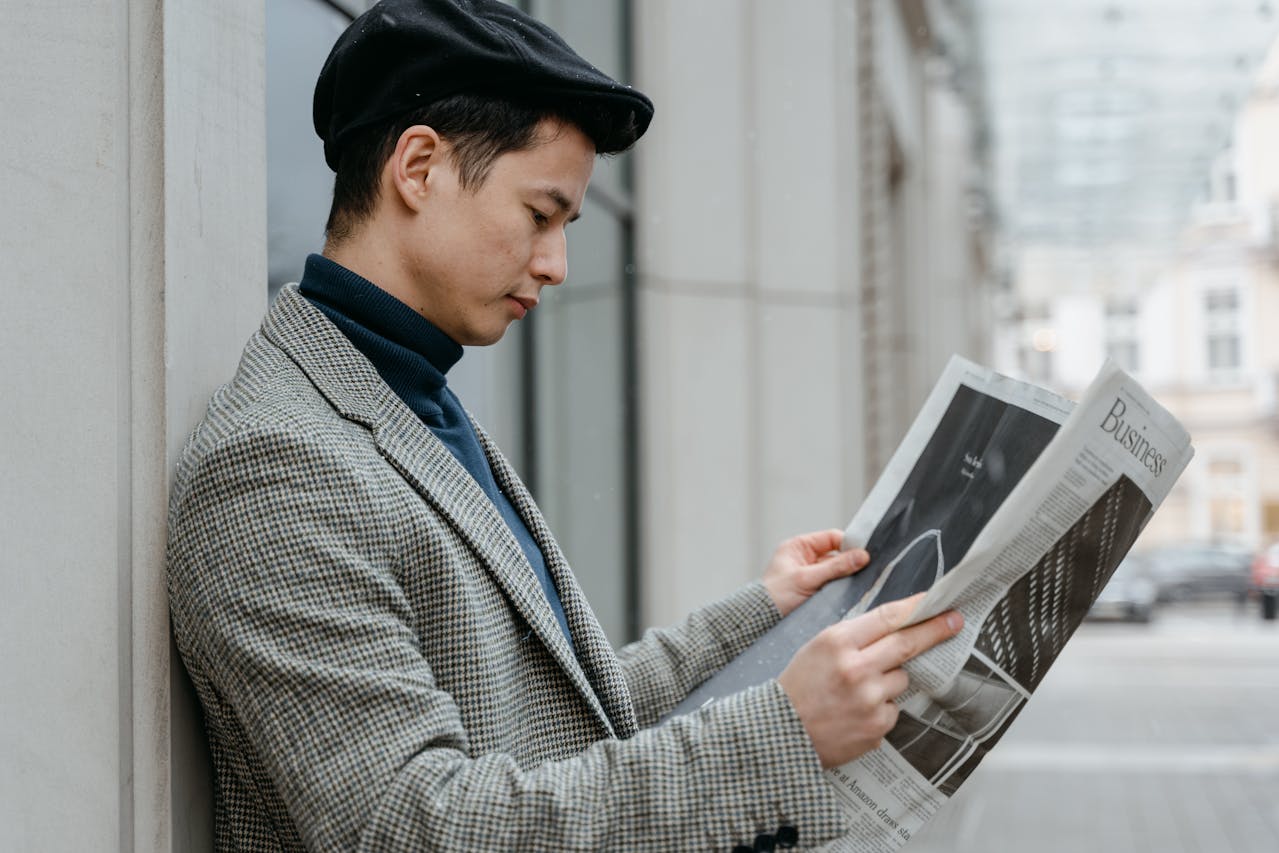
(525, 304)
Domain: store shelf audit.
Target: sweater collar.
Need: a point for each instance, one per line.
(406, 344)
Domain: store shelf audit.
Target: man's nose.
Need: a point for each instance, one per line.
(550, 259)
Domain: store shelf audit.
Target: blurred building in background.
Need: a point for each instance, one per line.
(1191, 313)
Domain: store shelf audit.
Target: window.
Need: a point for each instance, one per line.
(1270, 518)
(1227, 517)
(1228, 494)
(1223, 352)
(579, 352)
(299, 34)
(1221, 324)
(1121, 334)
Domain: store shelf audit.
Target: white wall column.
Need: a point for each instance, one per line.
(747, 254)
(135, 266)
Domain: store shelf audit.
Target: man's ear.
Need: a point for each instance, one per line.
(418, 153)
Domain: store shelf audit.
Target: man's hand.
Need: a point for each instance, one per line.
(843, 681)
(802, 564)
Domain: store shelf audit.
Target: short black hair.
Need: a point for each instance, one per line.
(479, 128)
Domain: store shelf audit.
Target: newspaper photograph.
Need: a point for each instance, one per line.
(1012, 505)
(1000, 424)
(977, 435)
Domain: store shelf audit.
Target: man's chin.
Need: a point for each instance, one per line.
(485, 337)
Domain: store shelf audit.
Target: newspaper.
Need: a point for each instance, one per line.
(1012, 505)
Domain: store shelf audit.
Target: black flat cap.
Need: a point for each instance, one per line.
(403, 54)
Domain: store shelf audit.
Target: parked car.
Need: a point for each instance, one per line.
(1198, 571)
(1265, 579)
(1130, 594)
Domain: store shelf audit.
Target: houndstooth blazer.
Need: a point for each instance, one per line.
(380, 670)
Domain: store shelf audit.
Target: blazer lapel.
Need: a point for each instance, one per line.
(351, 384)
(435, 472)
(594, 650)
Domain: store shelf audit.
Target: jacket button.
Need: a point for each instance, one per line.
(787, 837)
(764, 843)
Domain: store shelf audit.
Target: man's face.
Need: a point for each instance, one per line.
(477, 258)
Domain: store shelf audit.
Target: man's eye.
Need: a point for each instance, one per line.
(540, 218)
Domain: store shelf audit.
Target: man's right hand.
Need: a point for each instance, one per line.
(843, 681)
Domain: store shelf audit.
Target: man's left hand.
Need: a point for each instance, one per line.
(803, 564)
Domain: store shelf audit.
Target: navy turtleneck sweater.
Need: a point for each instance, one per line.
(412, 356)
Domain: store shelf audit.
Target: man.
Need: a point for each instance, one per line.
(390, 649)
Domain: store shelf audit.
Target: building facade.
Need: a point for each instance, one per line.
(759, 297)
(1193, 325)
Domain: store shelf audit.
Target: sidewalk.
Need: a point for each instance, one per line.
(1156, 739)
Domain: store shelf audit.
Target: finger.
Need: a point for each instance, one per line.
(837, 565)
(819, 542)
(881, 621)
(895, 683)
(893, 650)
(886, 716)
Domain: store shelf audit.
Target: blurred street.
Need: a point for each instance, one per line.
(1161, 737)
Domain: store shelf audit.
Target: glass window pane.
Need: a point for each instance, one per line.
(581, 446)
(299, 34)
(1221, 301)
(580, 333)
(1223, 352)
(598, 31)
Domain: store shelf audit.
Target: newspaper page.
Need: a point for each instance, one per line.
(1009, 504)
(1023, 587)
(972, 441)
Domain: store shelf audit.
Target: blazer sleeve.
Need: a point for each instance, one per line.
(663, 666)
(284, 601)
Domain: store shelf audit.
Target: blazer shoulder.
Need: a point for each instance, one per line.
(269, 402)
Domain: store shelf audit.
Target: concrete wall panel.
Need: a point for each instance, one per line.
(802, 436)
(134, 260)
(691, 59)
(799, 95)
(699, 480)
(64, 344)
